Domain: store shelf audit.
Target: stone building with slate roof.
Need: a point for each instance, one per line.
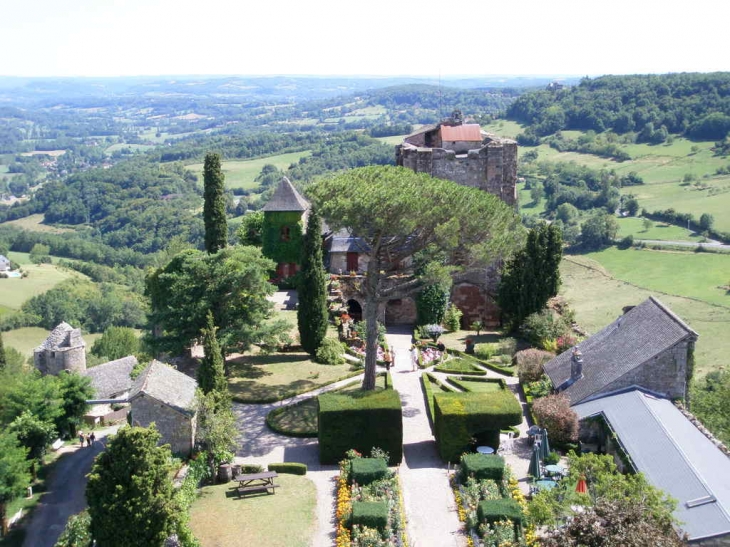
(166, 397)
(64, 349)
(112, 380)
(285, 220)
(647, 347)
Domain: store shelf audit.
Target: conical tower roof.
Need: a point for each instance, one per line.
(286, 198)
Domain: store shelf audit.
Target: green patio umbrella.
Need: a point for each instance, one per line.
(534, 468)
(544, 445)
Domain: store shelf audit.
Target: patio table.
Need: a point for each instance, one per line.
(545, 485)
(485, 449)
(553, 470)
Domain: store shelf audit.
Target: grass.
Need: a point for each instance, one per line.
(658, 230)
(241, 174)
(504, 128)
(300, 420)
(269, 378)
(480, 387)
(25, 340)
(287, 519)
(458, 366)
(598, 295)
(457, 339)
(41, 277)
(392, 140)
(34, 223)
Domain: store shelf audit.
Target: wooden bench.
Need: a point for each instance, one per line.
(257, 482)
(243, 490)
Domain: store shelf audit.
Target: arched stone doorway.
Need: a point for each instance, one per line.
(354, 309)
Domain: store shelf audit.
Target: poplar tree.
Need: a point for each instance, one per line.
(312, 310)
(3, 359)
(214, 208)
(211, 374)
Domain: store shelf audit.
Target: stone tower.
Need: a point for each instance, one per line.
(285, 217)
(64, 349)
(465, 154)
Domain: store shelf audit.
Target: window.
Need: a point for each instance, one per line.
(285, 233)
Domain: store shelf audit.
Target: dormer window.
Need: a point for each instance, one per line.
(285, 233)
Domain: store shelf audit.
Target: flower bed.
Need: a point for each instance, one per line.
(492, 530)
(381, 493)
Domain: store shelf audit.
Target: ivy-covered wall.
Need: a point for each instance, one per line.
(273, 246)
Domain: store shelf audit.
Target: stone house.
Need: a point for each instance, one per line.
(647, 347)
(166, 397)
(64, 349)
(4, 263)
(111, 382)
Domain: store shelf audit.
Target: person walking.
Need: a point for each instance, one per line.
(414, 358)
(92, 437)
(88, 440)
(81, 438)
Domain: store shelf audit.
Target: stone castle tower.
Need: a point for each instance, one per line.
(465, 154)
(64, 349)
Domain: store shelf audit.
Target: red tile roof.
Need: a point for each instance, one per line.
(466, 132)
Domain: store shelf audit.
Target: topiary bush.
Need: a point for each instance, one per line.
(360, 420)
(371, 514)
(291, 468)
(330, 352)
(459, 416)
(481, 466)
(489, 511)
(366, 470)
(529, 364)
(553, 412)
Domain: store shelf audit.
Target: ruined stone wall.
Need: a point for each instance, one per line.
(475, 304)
(665, 374)
(177, 429)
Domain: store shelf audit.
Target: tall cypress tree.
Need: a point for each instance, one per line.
(211, 374)
(214, 208)
(3, 359)
(312, 310)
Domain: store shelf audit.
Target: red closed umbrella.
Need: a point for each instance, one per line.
(581, 487)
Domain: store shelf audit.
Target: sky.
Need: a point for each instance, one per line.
(368, 37)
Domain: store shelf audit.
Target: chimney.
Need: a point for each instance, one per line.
(576, 365)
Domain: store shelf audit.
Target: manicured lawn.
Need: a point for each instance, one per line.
(481, 387)
(219, 518)
(658, 230)
(25, 340)
(598, 297)
(241, 174)
(457, 339)
(268, 378)
(41, 277)
(458, 366)
(300, 420)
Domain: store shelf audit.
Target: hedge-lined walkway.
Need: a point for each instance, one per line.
(430, 506)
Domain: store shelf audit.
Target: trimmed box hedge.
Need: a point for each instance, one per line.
(459, 416)
(291, 468)
(362, 420)
(366, 470)
(482, 466)
(489, 511)
(372, 514)
(507, 371)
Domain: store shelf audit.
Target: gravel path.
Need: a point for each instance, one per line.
(430, 507)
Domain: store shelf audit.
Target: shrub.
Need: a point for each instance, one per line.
(291, 468)
(459, 366)
(553, 412)
(330, 352)
(433, 331)
(544, 326)
(490, 511)
(507, 346)
(627, 242)
(458, 416)
(552, 458)
(251, 468)
(529, 364)
(452, 318)
(370, 514)
(482, 466)
(360, 420)
(366, 470)
(485, 351)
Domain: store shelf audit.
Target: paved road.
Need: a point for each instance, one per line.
(66, 493)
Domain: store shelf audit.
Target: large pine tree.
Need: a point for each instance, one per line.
(312, 310)
(214, 208)
(211, 374)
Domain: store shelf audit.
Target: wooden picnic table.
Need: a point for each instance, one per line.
(257, 482)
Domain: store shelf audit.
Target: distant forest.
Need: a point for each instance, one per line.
(652, 106)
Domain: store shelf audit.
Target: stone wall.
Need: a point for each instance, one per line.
(176, 428)
(475, 304)
(54, 361)
(338, 263)
(400, 312)
(665, 374)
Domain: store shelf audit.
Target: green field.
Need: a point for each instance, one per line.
(34, 223)
(41, 277)
(597, 293)
(504, 128)
(241, 174)
(133, 147)
(658, 230)
(392, 140)
(26, 339)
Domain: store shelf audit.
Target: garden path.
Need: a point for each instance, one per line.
(430, 506)
(259, 445)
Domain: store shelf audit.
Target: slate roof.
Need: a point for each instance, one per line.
(673, 455)
(167, 385)
(465, 132)
(63, 336)
(637, 336)
(286, 198)
(348, 244)
(112, 379)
